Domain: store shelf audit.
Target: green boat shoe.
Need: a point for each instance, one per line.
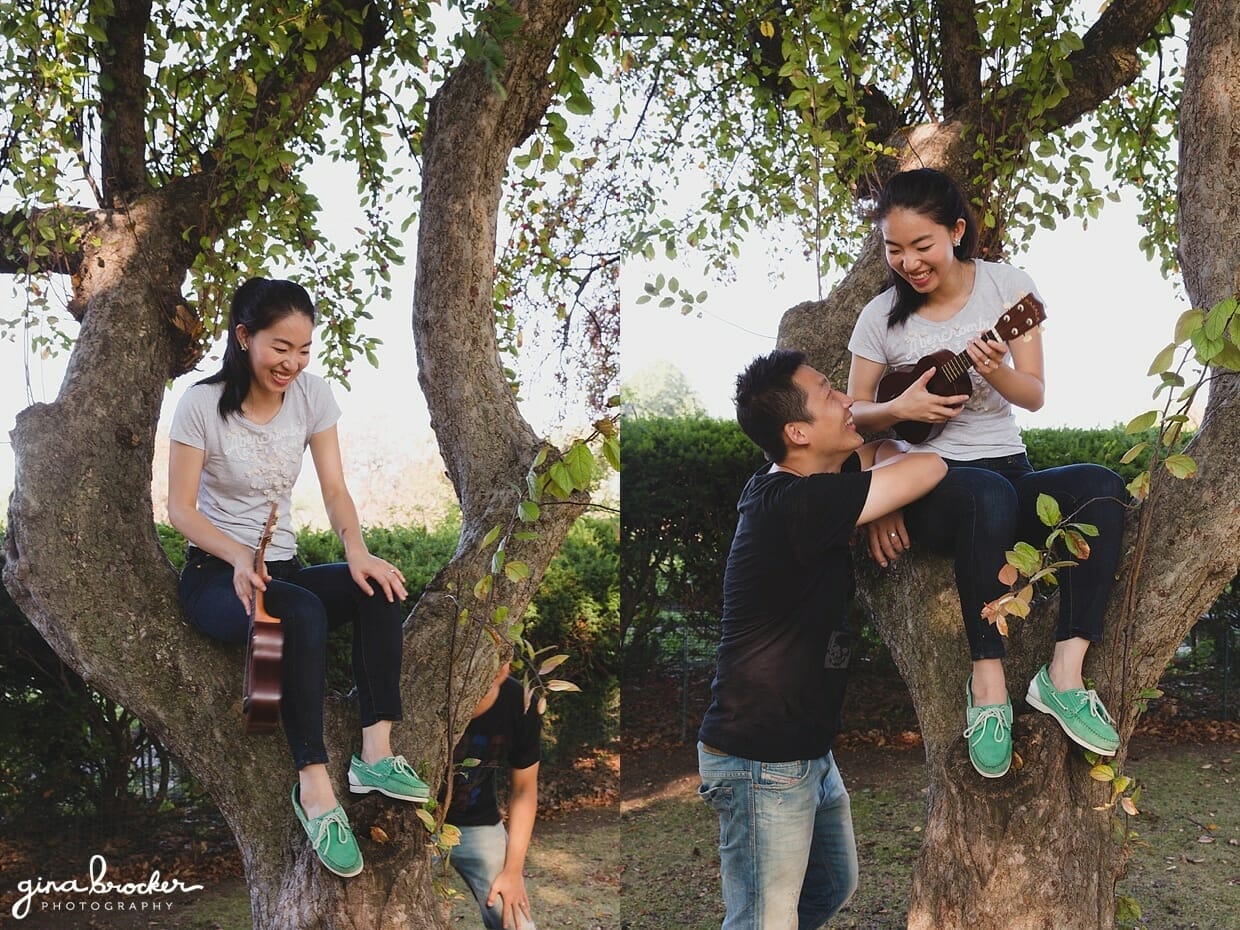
(989, 733)
(1078, 710)
(392, 776)
(332, 838)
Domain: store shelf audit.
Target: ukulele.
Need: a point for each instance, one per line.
(260, 702)
(952, 376)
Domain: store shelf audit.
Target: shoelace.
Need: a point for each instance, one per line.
(1095, 706)
(401, 765)
(989, 713)
(323, 826)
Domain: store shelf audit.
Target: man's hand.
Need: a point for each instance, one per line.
(888, 538)
(509, 886)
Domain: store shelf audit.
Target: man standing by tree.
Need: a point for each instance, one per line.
(787, 854)
(504, 727)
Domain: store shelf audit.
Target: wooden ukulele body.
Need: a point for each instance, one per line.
(264, 653)
(897, 381)
(263, 662)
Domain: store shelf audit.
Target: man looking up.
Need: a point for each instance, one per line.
(786, 848)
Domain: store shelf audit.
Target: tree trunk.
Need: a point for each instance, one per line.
(1029, 850)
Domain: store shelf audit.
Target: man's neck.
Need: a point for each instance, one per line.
(805, 465)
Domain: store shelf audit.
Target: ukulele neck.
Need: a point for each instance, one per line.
(961, 363)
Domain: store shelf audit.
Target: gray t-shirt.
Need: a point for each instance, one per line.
(248, 465)
(986, 426)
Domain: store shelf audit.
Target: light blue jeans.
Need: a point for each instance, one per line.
(786, 847)
(479, 859)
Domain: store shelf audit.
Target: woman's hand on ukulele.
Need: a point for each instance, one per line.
(887, 537)
(919, 403)
(987, 355)
(246, 579)
(366, 568)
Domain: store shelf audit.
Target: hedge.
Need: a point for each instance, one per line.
(64, 749)
(679, 487)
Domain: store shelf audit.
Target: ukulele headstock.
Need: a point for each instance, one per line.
(1021, 319)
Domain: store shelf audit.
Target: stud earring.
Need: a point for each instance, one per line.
(244, 347)
(956, 243)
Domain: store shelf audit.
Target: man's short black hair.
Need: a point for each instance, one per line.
(767, 399)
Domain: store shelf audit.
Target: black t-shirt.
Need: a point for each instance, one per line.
(506, 732)
(783, 655)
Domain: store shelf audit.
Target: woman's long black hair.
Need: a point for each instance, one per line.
(936, 196)
(258, 303)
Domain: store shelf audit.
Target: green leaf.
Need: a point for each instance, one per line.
(1141, 423)
(427, 820)
(1219, 316)
(1163, 360)
(1133, 452)
(556, 684)
(1102, 772)
(579, 104)
(483, 587)
(528, 511)
(492, 535)
(1228, 357)
(611, 451)
(516, 571)
(1048, 510)
(561, 480)
(580, 463)
(1024, 558)
(1181, 466)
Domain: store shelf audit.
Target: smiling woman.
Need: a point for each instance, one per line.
(238, 438)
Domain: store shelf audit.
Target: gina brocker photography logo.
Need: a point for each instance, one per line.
(97, 893)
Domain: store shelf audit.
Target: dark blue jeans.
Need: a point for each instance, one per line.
(984, 506)
(310, 602)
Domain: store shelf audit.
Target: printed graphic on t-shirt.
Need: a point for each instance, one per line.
(271, 459)
(838, 650)
(472, 784)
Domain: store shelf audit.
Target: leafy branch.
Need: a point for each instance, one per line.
(548, 482)
(1025, 565)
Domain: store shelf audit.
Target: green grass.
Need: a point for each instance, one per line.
(1180, 881)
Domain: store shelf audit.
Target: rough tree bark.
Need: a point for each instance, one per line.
(82, 557)
(1029, 850)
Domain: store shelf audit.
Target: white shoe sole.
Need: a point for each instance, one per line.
(996, 774)
(357, 787)
(1036, 703)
